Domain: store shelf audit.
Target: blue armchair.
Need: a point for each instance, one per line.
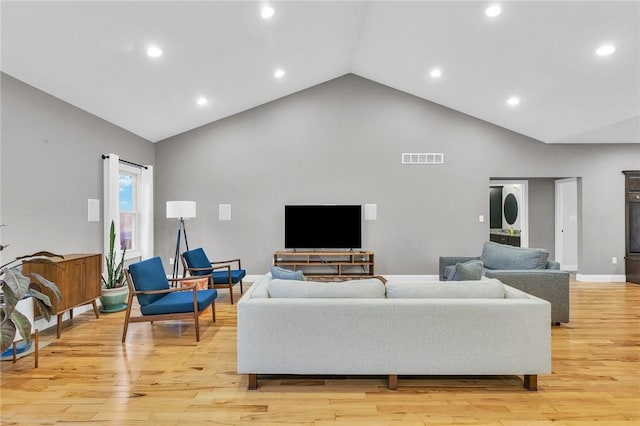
(148, 281)
(220, 273)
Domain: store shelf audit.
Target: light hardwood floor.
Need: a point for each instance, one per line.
(162, 377)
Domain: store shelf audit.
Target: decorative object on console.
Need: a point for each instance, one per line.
(180, 210)
(219, 273)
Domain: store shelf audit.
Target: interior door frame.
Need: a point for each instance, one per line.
(559, 211)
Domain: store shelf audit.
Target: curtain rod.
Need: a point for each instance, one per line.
(127, 162)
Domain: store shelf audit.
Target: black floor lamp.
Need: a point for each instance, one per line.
(180, 210)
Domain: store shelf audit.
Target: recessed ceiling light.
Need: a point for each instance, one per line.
(154, 51)
(279, 73)
(514, 100)
(267, 12)
(435, 73)
(493, 11)
(605, 50)
(202, 101)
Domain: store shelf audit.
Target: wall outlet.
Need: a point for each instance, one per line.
(614, 260)
(171, 261)
(481, 218)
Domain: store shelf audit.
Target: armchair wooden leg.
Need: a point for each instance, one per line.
(213, 310)
(126, 321)
(231, 292)
(197, 323)
(253, 382)
(531, 382)
(241, 290)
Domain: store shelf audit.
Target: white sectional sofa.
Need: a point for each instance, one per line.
(366, 327)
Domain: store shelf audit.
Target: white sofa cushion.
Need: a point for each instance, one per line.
(480, 289)
(365, 288)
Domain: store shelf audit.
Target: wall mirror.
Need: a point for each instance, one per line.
(510, 209)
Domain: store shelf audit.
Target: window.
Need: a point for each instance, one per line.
(128, 203)
(128, 206)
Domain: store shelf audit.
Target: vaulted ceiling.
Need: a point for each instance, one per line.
(93, 54)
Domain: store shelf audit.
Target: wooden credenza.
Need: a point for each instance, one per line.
(78, 278)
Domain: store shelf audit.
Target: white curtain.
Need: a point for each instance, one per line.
(146, 212)
(111, 199)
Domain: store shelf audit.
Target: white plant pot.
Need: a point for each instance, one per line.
(25, 307)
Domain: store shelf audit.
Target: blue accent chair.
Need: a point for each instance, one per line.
(158, 301)
(220, 273)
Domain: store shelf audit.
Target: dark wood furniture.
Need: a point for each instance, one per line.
(505, 238)
(79, 279)
(632, 225)
(495, 206)
(328, 264)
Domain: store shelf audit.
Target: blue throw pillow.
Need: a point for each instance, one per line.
(467, 271)
(285, 274)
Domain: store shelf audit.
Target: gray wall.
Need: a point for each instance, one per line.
(542, 215)
(340, 142)
(51, 166)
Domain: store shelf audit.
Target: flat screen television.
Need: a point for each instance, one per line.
(322, 227)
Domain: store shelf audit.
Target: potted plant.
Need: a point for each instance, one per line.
(19, 295)
(114, 286)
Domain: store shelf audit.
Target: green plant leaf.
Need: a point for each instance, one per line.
(7, 334)
(45, 309)
(48, 284)
(15, 288)
(41, 296)
(22, 324)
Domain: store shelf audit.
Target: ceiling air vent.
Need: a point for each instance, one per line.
(422, 158)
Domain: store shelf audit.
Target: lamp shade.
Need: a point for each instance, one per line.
(181, 209)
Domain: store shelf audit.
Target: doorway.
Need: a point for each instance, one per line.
(514, 229)
(566, 228)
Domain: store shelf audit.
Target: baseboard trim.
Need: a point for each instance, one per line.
(570, 268)
(601, 278)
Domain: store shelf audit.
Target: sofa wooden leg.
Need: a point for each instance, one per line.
(253, 382)
(531, 382)
(393, 381)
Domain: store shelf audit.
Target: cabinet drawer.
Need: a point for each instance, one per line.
(633, 196)
(633, 182)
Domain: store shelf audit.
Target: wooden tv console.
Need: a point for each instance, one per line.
(328, 265)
